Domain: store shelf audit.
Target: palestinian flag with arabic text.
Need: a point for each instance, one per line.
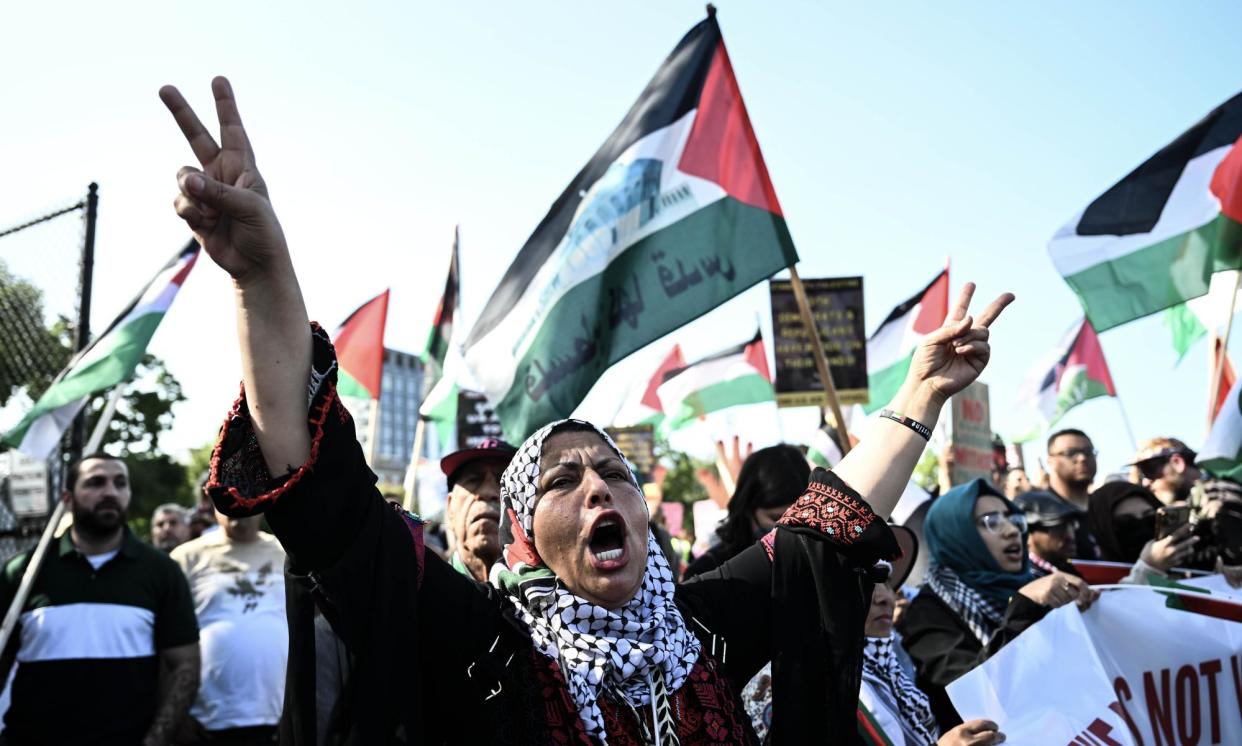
(674, 215)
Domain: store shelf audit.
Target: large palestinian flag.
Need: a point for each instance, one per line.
(674, 215)
(1078, 372)
(729, 378)
(891, 348)
(1154, 239)
(359, 346)
(107, 361)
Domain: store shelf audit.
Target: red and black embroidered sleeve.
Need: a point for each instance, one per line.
(830, 510)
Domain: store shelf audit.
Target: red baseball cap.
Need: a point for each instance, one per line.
(491, 449)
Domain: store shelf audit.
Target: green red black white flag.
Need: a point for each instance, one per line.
(1076, 372)
(108, 360)
(441, 334)
(1154, 239)
(672, 216)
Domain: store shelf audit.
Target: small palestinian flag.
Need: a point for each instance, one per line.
(674, 215)
(1077, 372)
(1155, 238)
(643, 406)
(441, 335)
(107, 361)
(727, 379)
(1227, 376)
(891, 348)
(360, 350)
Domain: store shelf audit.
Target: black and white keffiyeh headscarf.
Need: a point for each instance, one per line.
(639, 653)
(981, 614)
(894, 682)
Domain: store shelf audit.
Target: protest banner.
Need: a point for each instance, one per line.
(674, 517)
(476, 421)
(637, 442)
(1142, 666)
(971, 434)
(837, 307)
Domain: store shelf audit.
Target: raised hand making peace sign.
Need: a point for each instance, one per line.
(225, 202)
(953, 356)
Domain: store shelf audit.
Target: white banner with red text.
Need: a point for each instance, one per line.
(1141, 667)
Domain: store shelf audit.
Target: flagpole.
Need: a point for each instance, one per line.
(411, 473)
(1125, 418)
(1219, 365)
(821, 360)
(53, 521)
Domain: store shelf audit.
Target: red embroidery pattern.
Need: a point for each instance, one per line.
(704, 707)
(841, 518)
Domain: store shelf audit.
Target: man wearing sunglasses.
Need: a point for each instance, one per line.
(1167, 468)
(1052, 524)
(1071, 470)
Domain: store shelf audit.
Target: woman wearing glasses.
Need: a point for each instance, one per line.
(979, 592)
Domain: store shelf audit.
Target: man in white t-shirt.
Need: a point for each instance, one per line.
(236, 576)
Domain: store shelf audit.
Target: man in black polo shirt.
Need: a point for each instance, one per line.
(107, 644)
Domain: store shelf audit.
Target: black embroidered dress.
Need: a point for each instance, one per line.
(438, 658)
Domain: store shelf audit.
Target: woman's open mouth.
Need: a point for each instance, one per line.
(1014, 551)
(607, 543)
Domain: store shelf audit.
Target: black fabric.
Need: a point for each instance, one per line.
(943, 647)
(1100, 506)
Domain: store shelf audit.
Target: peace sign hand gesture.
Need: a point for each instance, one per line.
(952, 357)
(225, 203)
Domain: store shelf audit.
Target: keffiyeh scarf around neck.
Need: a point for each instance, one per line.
(883, 669)
(632, 652)
(981, 614)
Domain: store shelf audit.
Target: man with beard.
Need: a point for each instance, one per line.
(472, 514)
(107, 643)
(170, 526)
(1167, 468)
(1071, 469)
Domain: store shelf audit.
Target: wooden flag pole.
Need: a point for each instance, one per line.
(821, 360)
(36, 558)
(411, 473)
(1218, 368)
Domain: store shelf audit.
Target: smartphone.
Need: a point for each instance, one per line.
(1170, 518)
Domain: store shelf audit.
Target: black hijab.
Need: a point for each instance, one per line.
(1119, 541)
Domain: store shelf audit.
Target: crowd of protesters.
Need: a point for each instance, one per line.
(557, 609)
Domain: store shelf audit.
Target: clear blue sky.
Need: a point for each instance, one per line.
(896, 134)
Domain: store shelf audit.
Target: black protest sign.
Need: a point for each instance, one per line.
(837, 307)
(637, 442)
(476, 421)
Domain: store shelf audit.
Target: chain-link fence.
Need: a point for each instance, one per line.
(40, 291)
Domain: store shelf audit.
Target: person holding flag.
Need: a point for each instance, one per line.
(578, 564)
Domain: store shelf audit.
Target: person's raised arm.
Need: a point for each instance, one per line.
(945, 362)
(225, 203)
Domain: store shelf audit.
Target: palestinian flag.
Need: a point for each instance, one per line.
(360, 350)
(1078, 372)
(727, 379)
(1222, 453)
(438, 341)
(824, 449)
(891, 348)
(1155, 238)
(643, 406)
(108, 360)
(674, 215)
